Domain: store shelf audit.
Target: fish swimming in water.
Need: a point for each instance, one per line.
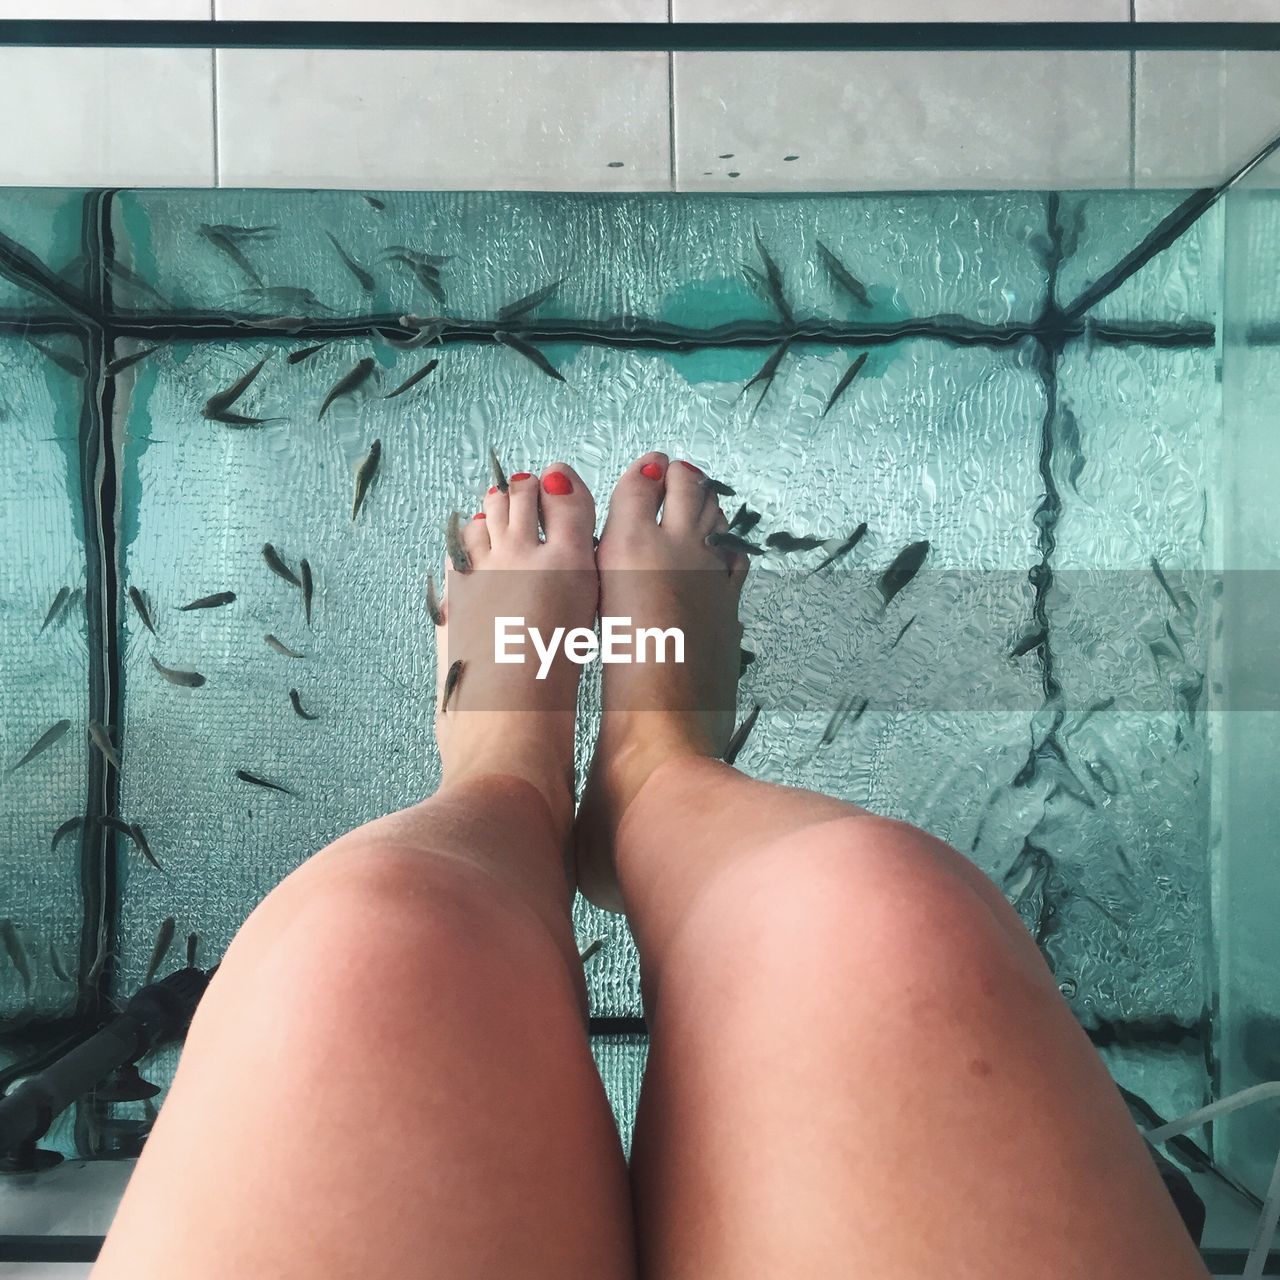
(744, 520)
(308, 587)
(215, 408)
(101, 739)
(716, 487)
(227, 239)
(732, 542)
(773, 281)
(252, 778)
(350, 381)
(591, 949)
(364, 476)
(788, 543)
(425, 267)
(64, 830)
(434, 610)
(184, 679)
(43, 743)
(741, 734)
(277, 565)
(453, 546)
(1032, 640)
(296, 699)
(451, 682)
(363, 278)
(228, 419)
(305, 353)
(745, 659)
(767, 372)
(497, 476)
(140, 604)
(135, 833)
(417, 256)
(287, 296)
(59, 971)
(215, 601)
(118, 272)
(842, 550)
(68, 364)
(530, 353)
(374, 203)
(164, 940)
(193, 946)
(906, 626)
(530, 302)
(64, 594)
(906, 564)
(845, 379)
(1179, 599)
(412, 380)
(839, 716)
(281, 648)
(120, 364)
(17, 952)
(843, 277)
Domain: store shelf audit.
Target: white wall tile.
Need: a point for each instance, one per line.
(174, 10)
(881, 121)
(424, 120)
(1208, 10)
(1199, 116)
(447, 10)
(106, 117)
(902, 10)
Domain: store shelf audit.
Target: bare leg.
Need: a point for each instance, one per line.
(860, 1065)
(389, 1076)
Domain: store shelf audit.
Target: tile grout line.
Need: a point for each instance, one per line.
(213, 67)
(671, 104)
(1133, 103)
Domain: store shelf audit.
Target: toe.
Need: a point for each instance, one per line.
(686, 497)
(568, 510)
(639, 492)
(522, 506)
(475, 538)
(738, 564)
(496, 511)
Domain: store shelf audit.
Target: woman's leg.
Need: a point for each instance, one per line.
(860, 1064)
(389, 1075)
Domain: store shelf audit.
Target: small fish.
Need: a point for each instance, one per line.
(64, 594)
(842, 550)
(433, 260)
(252, 778)
(121, 363)
(224, 239)
(193, 946)
(840, 715)
(296, 699)
(530, 302)
(412, 380)
(496, 473)
(427, 274)
(134, 280)
(185, 679)
(101, 739)
(434, 611)
(164, 940)
(720, 490)
(216, 406)
(745, 659)
(592, 948)
(756, 280)
(228, 419)
(1178, 599)
(140, 604)
(732, 542)
(350, 381)
(1069, 443)
(17, 952)
(364, 476)
(281, 648)
(530, 353)
(773, 281)
(1032, 640)
(288, 296)
(428, 333)
(68, 364)
(56, 964)
(135, 833)
(787, 543)
(451, 682)
(843, 277)
(64, 830)
(456, 552)
(906, 626)
(744, 520)
(308, 587)
(363, 278)
(277, 565)
(741, 734)
(1177, 644)
(374, 203)
(906, 564)
(768, 371)
(215, 601)
(43, 743)
(845, 379)
(305, 353)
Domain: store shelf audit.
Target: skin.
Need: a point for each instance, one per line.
(859, 1063)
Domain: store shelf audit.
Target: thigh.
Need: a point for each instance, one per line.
(858, 1069)
(389, 1076)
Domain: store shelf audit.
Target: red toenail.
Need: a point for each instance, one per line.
(690, 465)
(522, 475)
(493, 488)
(652, 470)
(556, 482)
(479, 515)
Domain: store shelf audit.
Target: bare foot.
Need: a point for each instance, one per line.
(659, 574)
(499, 718)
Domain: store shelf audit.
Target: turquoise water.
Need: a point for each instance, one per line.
(1047, 461)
